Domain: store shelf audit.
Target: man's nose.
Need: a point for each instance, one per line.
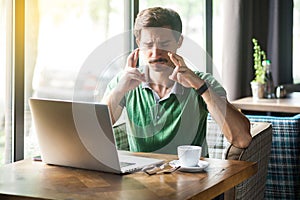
(155, 50)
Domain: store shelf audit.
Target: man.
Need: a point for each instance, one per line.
(166, 102)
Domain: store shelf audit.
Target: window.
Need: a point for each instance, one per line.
(296, 42)
(59, 37)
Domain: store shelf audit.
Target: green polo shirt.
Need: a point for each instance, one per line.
(160, 125)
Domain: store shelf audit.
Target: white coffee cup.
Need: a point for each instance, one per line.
(189, 155)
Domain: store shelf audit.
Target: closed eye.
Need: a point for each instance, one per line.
(165, 44)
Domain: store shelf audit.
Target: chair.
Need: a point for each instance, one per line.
(283, 180)
(258, 151)
(121, 137)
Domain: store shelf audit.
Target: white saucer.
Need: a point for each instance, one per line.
(201, 166)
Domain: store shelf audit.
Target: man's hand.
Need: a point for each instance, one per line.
(131, 76)
(129, 80)
(182, 74)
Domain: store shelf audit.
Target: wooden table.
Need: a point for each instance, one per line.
(290, 104)
(29, 179)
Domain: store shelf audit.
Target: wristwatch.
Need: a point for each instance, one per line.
(202, 89)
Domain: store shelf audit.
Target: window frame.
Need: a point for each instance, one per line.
(18, 79)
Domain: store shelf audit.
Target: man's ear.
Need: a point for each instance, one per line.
(180, 40)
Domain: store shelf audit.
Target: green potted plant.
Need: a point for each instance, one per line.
(258, 83)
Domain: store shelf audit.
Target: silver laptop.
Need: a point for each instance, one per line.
(78, 134)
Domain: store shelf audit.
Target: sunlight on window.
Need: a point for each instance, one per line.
(68, 33)
(59, 36)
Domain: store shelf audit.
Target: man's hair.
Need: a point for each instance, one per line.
(158, 17)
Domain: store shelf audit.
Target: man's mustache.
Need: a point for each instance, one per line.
(158, 60)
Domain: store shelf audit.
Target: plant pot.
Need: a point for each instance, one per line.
(257, 90)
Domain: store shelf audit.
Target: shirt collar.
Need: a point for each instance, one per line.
(177, 88)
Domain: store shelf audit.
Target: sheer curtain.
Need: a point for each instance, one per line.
(269, 21)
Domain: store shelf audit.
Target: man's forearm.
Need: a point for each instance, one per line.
(234, 125)
(113, 101)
